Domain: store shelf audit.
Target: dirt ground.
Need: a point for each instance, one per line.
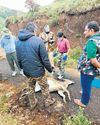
(53, 115)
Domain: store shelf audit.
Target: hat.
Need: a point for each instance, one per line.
(46, 28)
(60, 34)
(31, 27)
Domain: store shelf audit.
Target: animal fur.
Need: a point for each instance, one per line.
(59, 86)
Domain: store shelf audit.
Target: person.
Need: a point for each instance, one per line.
(48, 38)
(32, 55)
(89, 62)
(63, 47)
(8, 44)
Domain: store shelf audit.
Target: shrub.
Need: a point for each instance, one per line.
(78, 119)
(75, 53)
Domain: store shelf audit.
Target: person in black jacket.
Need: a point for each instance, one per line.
(33, 57)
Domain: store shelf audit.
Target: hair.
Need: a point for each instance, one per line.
(31, 27)
(93, 25)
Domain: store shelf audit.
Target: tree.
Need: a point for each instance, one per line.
(31, 5)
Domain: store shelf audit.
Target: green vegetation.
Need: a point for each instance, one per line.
(5, 13)
(73, 57)
(78, 119)
(53, 11)
(5, 118)
(3, 101)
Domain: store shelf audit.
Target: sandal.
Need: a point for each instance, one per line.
(79, 103)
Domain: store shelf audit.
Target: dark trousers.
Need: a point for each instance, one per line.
(12, 60)
(86, 85)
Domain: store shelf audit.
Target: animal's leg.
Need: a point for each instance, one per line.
(68, 95)
(62, 95)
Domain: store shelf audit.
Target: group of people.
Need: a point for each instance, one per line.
(30, 53)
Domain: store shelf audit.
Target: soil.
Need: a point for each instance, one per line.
(54, 114)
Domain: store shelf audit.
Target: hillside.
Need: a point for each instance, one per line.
(6, 12)
(68, 16)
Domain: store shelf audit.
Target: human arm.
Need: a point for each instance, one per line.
(44, 57)
(91, 53)
(1, 43)
(68, 46)
(95, 62)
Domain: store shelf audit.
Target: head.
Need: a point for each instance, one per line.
(60, 35)
(46, 29)
(91, 28)
(31, 27)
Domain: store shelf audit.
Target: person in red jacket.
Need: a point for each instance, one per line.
(63, 47)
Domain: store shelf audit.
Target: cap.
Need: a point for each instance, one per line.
(46, 28)
(60, 34)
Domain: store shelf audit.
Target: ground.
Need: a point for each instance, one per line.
(52, 115)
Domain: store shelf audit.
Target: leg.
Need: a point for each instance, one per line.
(10, 61)
(62, 95)
(31, 94)
(16, 61)
(68, 95)
(86, 83)
(60, 75)
(45, 91)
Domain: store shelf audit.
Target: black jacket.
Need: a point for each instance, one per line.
(32, 54)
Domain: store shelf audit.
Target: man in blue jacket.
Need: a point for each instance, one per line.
(33, 57)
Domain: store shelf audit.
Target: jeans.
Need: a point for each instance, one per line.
(86, 85)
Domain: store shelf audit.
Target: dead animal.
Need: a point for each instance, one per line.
(60, 86)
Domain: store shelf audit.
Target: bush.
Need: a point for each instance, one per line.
(75, 53)
(78, 119)
(73, 56)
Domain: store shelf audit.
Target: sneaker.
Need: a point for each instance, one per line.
(14, 73)
(21, 72)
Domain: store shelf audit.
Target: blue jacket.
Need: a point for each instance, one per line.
(32, 54)
(8, 43)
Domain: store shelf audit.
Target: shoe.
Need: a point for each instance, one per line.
(14, 73)
(49, 102)
(21, 72)
(79, 103)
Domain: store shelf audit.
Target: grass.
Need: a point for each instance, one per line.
(77, 119)
(5, 118)
(3, 103)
